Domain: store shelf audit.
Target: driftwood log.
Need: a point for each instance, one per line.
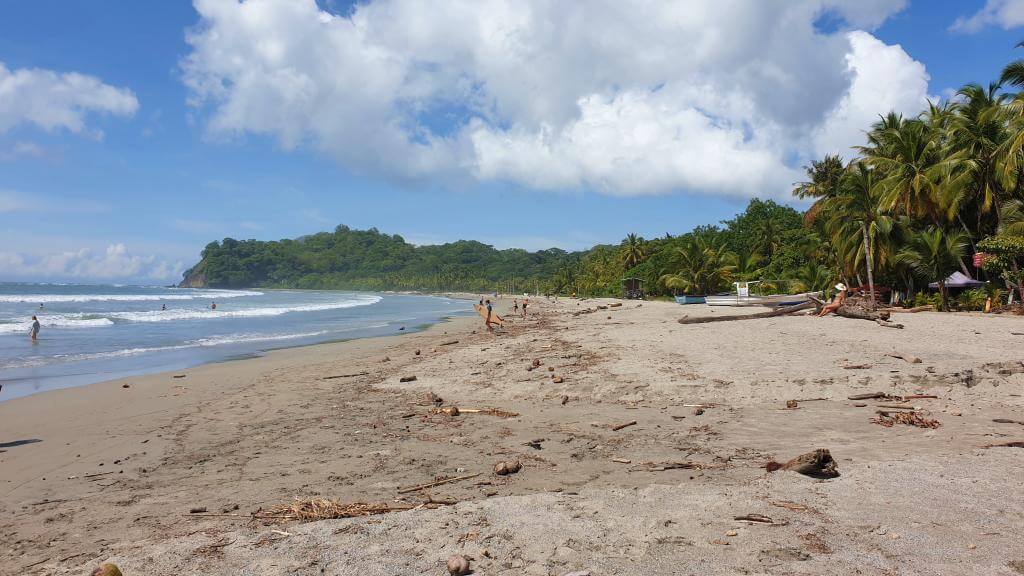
(853, 309)
(781, 311)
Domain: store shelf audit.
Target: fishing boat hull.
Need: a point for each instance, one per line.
(690, 300)
(769, 300)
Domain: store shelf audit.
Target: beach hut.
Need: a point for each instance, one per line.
(958, 281)
(633, 288)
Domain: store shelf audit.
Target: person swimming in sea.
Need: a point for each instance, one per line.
(33, 331)
(213, 305)
(163, 306)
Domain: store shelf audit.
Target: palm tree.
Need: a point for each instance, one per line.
(914, 166)
(748, 265)
(632, 250)
(813, 277)
(935, 254)
(704, 266)
(822, 183)
(855, 212)
(978, 130)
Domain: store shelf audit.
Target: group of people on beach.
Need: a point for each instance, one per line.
(489, 306)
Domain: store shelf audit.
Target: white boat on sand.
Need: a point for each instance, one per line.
(743, 297)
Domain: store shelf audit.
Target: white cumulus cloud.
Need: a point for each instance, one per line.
(884, 78)
(1004, 13)
(623, 98)
(52, 100)
(114, 263)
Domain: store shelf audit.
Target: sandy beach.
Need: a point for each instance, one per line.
(110, 471)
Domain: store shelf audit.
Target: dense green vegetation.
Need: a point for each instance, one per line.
(921, 198)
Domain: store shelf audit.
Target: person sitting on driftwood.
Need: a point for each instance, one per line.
(836, 302)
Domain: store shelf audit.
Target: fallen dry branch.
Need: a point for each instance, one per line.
(791, 505)
(905, 357)
(872, 396)
(1006, 445)
(449, 342)
(662, 466)
(419, 487)
(324, 509)
(1007, 421)
(914, 310)
(345, 375)
(856, 310)
(913, 418)
(782, 311)
(621, 426)
(760, 518)
(455, 411)
(857, 367)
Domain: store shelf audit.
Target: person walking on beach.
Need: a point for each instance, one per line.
(33, 331)
(515, 307)
(526, 302)
(487, 321)
(836, 302)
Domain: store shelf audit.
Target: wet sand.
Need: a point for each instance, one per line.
(109, 473)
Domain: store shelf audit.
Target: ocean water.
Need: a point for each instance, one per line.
(92, 333)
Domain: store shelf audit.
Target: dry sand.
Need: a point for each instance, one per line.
(108, 473)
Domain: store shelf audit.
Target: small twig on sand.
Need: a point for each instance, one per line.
(905, 357)
(621, 426)
(437, 483)
(345, 375)
(449, 343)
(98, 475)
(662, 466)
(35, 563)
(1007, 421)
(857, 367)
(869, 396)
(755, 518)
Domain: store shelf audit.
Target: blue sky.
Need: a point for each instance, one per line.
(270, 122)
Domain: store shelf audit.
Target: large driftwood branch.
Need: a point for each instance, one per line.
(782, 311)
(880, 317)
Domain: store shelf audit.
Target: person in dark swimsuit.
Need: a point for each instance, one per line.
(487, 321)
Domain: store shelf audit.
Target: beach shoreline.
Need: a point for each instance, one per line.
(106, 472)
(130, 339)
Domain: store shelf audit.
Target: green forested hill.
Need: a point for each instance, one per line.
(371, 260)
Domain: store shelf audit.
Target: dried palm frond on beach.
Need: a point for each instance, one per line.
(912, 418)
(315, 509)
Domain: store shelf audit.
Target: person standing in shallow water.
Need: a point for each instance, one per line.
(33, 331)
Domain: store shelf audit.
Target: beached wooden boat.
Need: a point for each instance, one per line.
(769, 300)
(743, 297)
(686, 299)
